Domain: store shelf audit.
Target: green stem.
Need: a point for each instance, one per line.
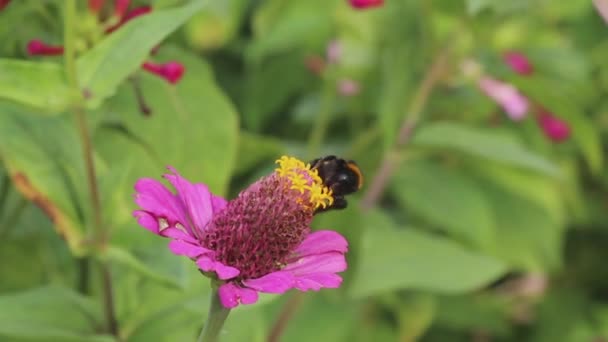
(100, 234)
(412, 116)
(321, 123)
(215, 318)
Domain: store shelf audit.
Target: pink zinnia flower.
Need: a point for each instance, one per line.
(258, 242)
(555, 129)
(518, 63)
(366, 3)
(507, 96)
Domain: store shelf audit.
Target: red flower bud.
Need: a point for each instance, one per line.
(36, 47)
(518, 63)
(136, 12)
(170, 71)
(96, 5)
(555, 129)
(120, 7)
(3, 3)
(366, 3)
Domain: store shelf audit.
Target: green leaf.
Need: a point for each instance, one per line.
(483, 143)
(38, 85)
(255, 150)
(527, 237)
(216, 25)
(564, 101)
(474, 311)
(192, 126)
(50, 314)
(281, 25)
(125, 258)
(102, 69)
(394, 258)
(43, 158)
(446, 197)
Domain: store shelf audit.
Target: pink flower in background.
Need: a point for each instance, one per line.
(171, 71)
(555, 129)
(518, 63)
(334, 52)
(258, 242)
(602, 8)
(361, 4)
(348, 87)
(507, 96)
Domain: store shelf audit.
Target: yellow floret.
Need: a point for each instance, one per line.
(303, 178)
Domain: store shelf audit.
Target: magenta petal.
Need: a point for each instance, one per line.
(147, 221)
(153, 197)
(196, 198)
(322, 241)
(223, 272)
(178, 234)
(231, 295)
(331, 262)
(190, 250)
(228, 295)
(219, 203)
(276, 282)
(317, 281)
(248, 296)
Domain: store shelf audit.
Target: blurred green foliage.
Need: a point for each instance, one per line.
(484, 230)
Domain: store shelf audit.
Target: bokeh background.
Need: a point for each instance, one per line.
(480, 126)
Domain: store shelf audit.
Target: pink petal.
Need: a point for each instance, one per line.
(322, 241)
(317, 271)
(178, 234)
(223, 272)
(150, 222)
(231, 295)
(331, 262)
(147, 221)
(196, 198)
(276, 282)
(219, 203)
(190, 250)
(317, 281)
(153, 197)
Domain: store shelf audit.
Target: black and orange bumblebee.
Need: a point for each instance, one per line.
(343, 177)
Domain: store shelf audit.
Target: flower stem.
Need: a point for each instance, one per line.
(215, 318)
(287, 312)
(99, 231)
(390, 160)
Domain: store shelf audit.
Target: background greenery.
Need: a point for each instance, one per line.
(484, 230)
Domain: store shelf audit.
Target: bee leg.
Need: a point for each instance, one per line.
(339, 203)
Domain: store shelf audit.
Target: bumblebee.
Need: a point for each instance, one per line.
(343, 177)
